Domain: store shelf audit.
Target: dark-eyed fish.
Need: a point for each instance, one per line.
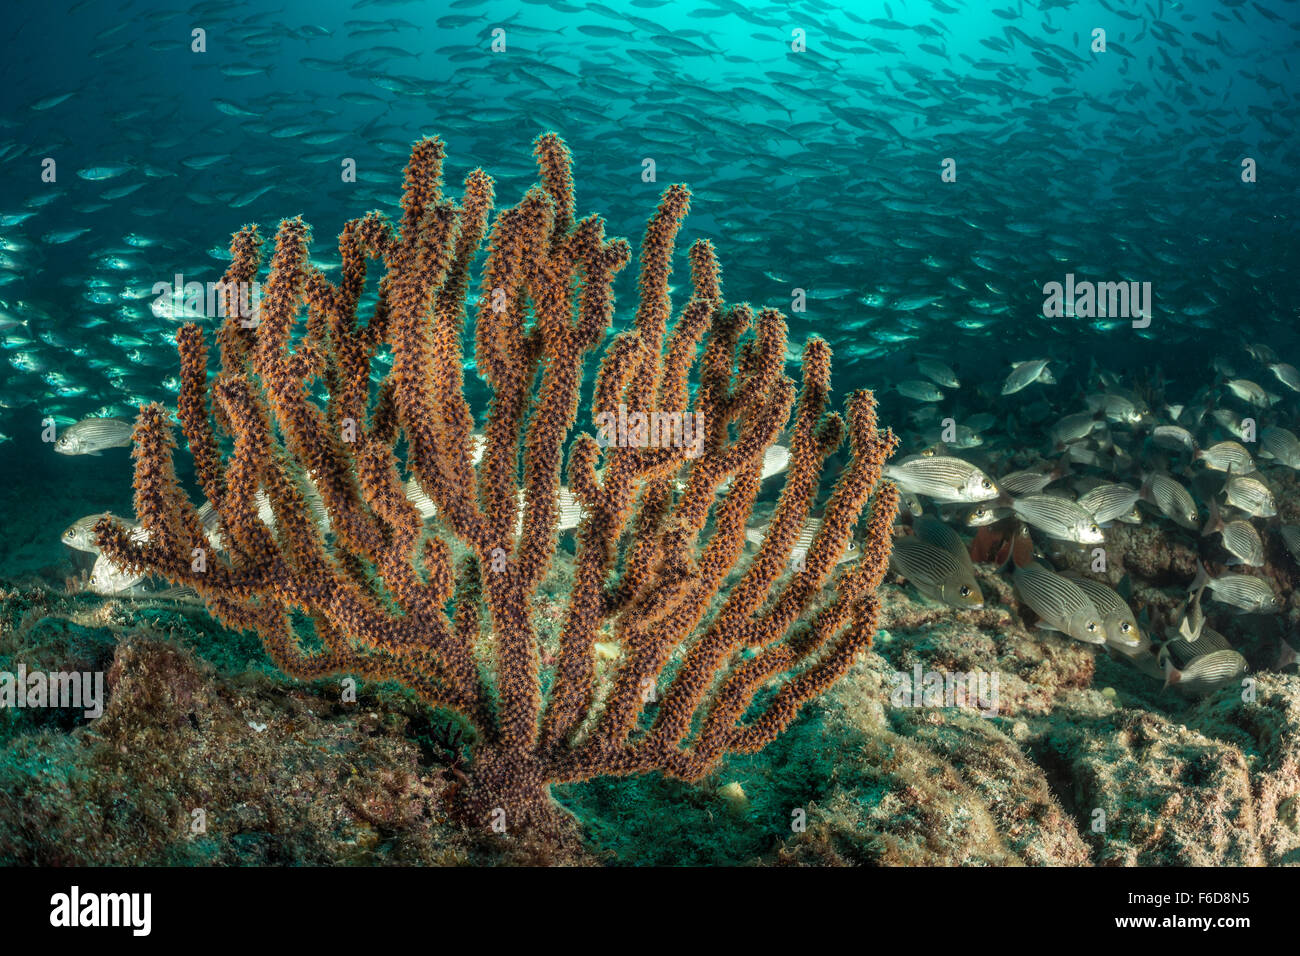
(90, 436)
(1024, 374)
(937, 564)
(1059, 518)
(943, 478)
(1109, 502)
(1117, 617)
(1205, 674)
(1240, 539)
(1245, 592)
(1060, 603)
(1226, 456)
(1173, 500)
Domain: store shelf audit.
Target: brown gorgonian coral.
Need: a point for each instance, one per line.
(715, 650)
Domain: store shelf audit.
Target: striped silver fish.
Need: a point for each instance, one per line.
(418, 497)
(1024, 374)
(776, 459)
(1074, 428)
(1109, 502)
(1245, 592)
(1185, 651)
(1059, 518)
(1291, 539)
(1060, 603)
(1251, 495)
(936, 562)
(1280, 445)
(107, 578)
(80, 534)
(756, 536)
(943, 478)
(1240, 539)
(1117, 617)
(1173, 500)
(1226, 456)
(1173, 438)
(1205, 674)
(90, 436)
(1029, 482)
(1286, 374)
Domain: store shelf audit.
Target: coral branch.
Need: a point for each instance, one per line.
(381, 535)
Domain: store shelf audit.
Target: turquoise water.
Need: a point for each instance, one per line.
(902, 179)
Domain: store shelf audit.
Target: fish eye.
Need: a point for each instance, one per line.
(1126, 627)
(986, 483)
(1091, 628)
(1094, 529)
(965, 591)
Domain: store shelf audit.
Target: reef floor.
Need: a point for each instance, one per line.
(205, 754)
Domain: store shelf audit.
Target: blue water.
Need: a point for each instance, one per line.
(816, 170)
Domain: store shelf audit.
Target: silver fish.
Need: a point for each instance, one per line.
(1029, 482)
(1251, 392)
(811, 526)
(1024, 374)
(1173, 438)
(1281, 445)
(1117, 617)
(942, 478)
(1191, 619)
(938, 373)
(1291, 539)
(1286, 374)
(1240, 538)
(936, 562)
(776, 459)
(1245, 592)
(107, 578)
(90, 436)
(1109, 502)
(920, 391)
(81, 535)
(1059, 518)
(1173, 500)
(1230, 422)
(1062, 604)
(1251, 495)
(1206, 674)
(1117, 408)
(1073, 428)
(1226, 456)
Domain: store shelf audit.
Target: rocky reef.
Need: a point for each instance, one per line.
(205, 754)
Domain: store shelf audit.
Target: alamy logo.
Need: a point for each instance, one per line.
(75, 908)
(1088, 300)
(68, 689)
(180, 301)
(656, 430)
(977, 690)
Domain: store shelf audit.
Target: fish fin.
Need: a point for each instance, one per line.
(1286, 655)
(1202, 578)
(1172, 674)
(1215, 524)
